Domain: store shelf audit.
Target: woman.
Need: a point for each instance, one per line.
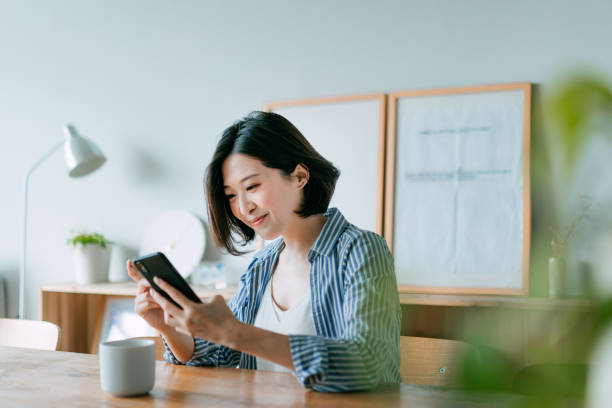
(320, 301)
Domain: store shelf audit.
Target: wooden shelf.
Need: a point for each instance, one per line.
(129, 289)
(521, 302)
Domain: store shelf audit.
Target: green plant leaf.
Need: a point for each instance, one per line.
(574, 106)
(84, 238)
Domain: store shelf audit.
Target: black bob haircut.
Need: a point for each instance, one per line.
(273, 140)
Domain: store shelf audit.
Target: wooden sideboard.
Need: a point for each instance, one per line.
(517, 326)
(79, 309)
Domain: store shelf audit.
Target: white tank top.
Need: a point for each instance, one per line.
(297, 320)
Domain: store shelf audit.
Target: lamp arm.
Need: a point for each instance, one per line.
(25, 227)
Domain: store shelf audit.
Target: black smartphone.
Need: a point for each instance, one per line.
(156, 264)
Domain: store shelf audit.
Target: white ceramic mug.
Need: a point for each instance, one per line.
(127, 367)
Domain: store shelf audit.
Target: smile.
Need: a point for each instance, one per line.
(257, 221)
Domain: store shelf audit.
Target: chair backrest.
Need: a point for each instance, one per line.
(159, 346)
(433, 362)
(34, 334)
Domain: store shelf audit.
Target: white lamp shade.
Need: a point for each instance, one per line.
(82, 155)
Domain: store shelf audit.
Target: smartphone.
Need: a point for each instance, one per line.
(156, 264)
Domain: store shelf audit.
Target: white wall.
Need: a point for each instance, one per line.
(155, 82)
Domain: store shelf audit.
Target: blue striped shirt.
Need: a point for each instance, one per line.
(355, 307)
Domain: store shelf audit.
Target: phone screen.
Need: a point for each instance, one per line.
(156, 264)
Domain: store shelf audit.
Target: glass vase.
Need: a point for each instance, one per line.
(556, 277)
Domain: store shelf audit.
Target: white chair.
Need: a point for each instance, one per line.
(34, 334)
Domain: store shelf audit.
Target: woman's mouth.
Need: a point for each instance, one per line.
(257, 221)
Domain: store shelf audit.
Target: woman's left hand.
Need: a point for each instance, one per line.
(212, 320)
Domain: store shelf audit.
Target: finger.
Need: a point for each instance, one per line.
(165, 304)
(169, 319)
(141, 297)
(132, 271)
(173, 292)
(146, 306)
(143, 286)
(144, 297)
(172, 321)
(151, 306)
(217, 299)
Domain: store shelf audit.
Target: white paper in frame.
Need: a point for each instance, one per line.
(350, 132)
(457, 195)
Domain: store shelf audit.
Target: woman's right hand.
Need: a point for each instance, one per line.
(144, 304)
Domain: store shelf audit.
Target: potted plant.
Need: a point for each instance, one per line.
(90, 257)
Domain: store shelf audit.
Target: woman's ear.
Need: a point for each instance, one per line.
(301, 175)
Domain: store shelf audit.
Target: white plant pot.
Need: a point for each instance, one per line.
(91, 263)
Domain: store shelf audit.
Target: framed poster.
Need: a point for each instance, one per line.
(350, 132)
(457, 198)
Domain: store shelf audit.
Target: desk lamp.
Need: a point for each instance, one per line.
(82, 157)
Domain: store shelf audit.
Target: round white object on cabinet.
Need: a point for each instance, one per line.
(178, 234)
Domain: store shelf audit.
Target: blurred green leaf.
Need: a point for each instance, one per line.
(486, 369)
(573, 108)
(552, 380)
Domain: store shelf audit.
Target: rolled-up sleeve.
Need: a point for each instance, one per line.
(211, 354)
(367, 351)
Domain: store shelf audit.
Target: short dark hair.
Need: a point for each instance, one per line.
(273, 140)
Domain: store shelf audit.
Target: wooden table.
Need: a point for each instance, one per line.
(34, 378)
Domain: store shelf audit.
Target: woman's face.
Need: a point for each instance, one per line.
(262, 198)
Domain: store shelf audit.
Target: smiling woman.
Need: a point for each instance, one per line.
(263, 195)
(320, 301)
(264, 145)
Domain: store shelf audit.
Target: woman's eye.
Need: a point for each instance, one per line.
(249, 188)
(230, 196)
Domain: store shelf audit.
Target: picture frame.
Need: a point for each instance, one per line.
(338, 125)
(457, 195)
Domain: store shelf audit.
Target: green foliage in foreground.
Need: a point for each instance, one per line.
(581, 105)
(575, 109)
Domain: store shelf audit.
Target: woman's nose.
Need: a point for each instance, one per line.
(246, 205)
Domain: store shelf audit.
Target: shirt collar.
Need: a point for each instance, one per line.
(333, 228)
(270, 249)
(323, 245)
